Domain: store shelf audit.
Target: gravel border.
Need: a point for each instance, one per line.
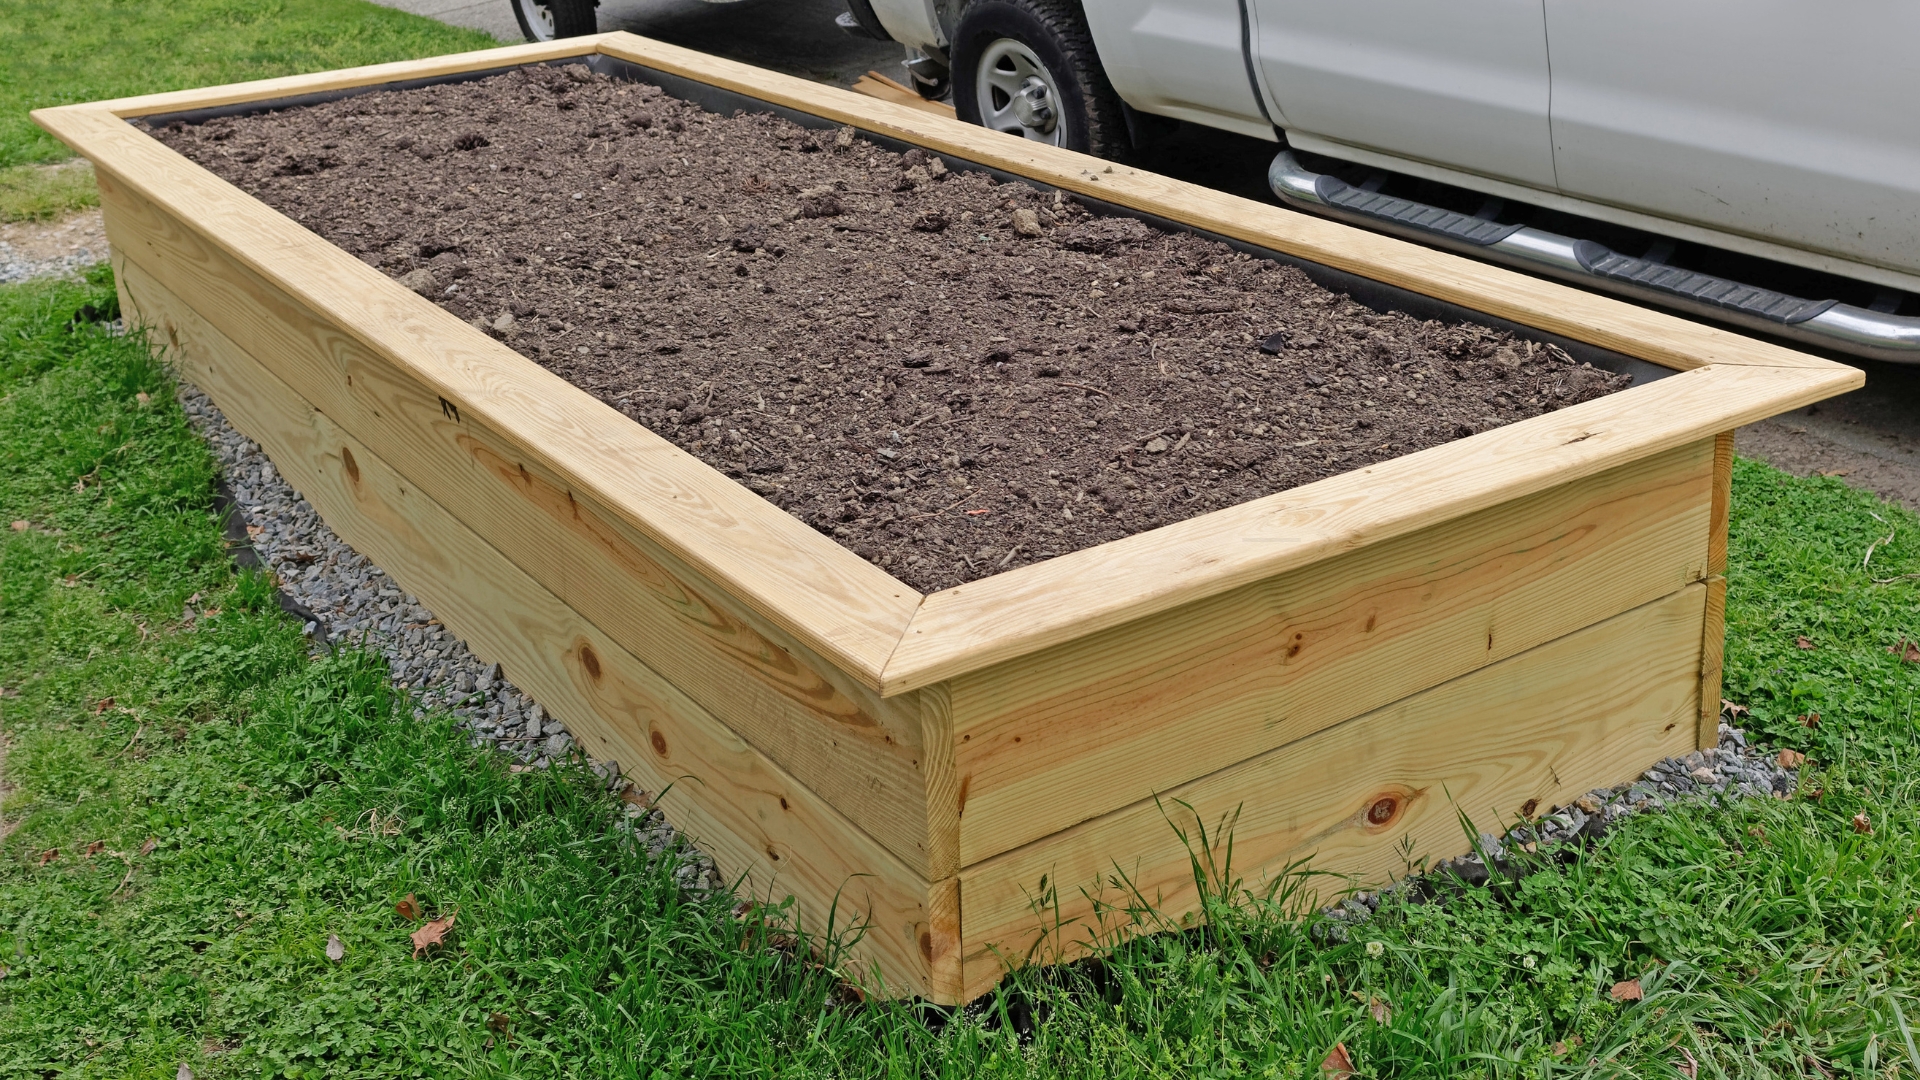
(348, 601)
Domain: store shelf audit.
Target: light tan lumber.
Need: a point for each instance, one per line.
(1036, 607)
(1530, 732)
(1650, 335)
(820, 593)
(739, 806)
(875, 85)
(1713, 651)
(1722, 503)
(1065, 734)
(823, 725)
(320, 82)
(1713, 639)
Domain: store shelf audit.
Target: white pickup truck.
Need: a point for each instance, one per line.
(1782, 129)
(1586, 139)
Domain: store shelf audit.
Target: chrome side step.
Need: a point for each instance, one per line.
(1826, 323)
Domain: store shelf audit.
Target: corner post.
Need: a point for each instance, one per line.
(1713, 639)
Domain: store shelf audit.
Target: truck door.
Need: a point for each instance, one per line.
(1461, 83)
(1178, 58)
(1788, 120)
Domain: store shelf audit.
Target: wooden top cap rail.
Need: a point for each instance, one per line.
(880, 630)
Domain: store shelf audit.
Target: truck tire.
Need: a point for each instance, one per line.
(1028, 68)
(545, 20)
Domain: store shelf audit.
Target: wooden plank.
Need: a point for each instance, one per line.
(1534, 730)
(1068, 733)
(738, 805)
(1722, 503)
(320, 82)
(1035, 607)
(1713, 651)
(1637, 331)
(1713, 637)
(875, 85)
(819, 593)
(823, 725)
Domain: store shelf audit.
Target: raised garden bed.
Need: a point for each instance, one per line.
(1493, 624)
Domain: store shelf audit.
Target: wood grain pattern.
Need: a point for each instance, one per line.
(1713, 640)
(815, 591)
(1065, 734)
(1722, 503)
(739, 806)
(1713, 651)
(1022, 611)
(865, 755)
(1525, 734)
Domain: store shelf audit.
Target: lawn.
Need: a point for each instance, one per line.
(199, 805)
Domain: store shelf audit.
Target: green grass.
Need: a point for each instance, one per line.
(62, 51)
(1772, 938)
(46, 192)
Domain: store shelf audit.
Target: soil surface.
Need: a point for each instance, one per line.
(949, 375)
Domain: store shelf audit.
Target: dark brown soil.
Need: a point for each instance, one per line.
(949, 375)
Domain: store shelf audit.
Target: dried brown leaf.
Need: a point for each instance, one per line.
(1791, 759)
(498, 1023)
(1863, 824)
(1626, 991)
(1731, 709)
(409, 908)
(102, 705)
(1381, 1011)
(1803, 641)
(95, 848)
(49, 855)
(336, 949)
(1338, 1064)
(1810, 720)
(147, 847)
(433, 933)
(1689, 1068)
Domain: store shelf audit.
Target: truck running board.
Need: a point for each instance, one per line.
(1827, 323)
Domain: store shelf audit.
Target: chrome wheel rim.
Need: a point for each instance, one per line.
(539, 18)
(1017, 94)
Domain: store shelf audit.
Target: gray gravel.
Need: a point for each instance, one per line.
(31, 249)
(1732, 770)
(356, 604)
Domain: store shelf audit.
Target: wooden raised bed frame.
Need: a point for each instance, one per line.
(1501, 623)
